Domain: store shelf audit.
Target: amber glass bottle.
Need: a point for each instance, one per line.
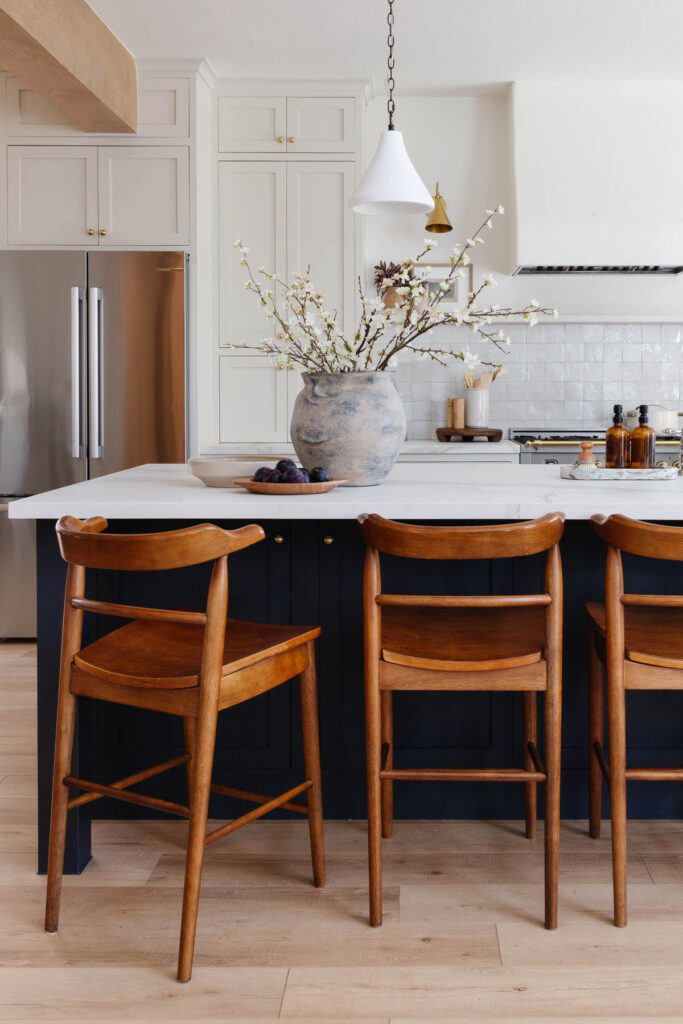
(617, 443)
(643, 443)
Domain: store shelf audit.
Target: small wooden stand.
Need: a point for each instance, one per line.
(468, 433)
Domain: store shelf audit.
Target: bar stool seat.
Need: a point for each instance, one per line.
(168, 654)
(652, 636)
(462, 639)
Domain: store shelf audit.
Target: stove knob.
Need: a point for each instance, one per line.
(661, 464)
(676, 464)
(551, 462)
(599, 464)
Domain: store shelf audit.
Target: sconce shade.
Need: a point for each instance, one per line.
(438, 219)
(391, 185)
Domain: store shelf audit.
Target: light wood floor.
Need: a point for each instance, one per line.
(462, 938)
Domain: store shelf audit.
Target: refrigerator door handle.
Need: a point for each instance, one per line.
(94, 374)
(77, 325)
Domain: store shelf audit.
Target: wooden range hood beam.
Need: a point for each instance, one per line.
(62, 50)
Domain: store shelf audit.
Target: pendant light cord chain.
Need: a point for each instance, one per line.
(391, 106)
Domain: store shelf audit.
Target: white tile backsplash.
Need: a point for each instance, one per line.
(557, 375)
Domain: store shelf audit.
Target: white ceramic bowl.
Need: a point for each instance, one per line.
(217, 472)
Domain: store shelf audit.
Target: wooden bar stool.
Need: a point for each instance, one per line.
(422, 642)
(186, 663)
(637, 641)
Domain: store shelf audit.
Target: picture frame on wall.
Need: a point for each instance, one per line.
(458, 287)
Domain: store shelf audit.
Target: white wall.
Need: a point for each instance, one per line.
(466, 143)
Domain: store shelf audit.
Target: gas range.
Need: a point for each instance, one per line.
(554, 446)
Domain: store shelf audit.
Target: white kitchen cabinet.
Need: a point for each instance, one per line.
(144, 195)
(52, 195)
(252, 124)
(90, 195)
(292, 124)
(320, 231)
(251, 206)
(253, 399)
(318, 124)
(163, 110)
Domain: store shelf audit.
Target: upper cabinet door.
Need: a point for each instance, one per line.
(144, 195)
(52, 195)
(252, 124)
(251, 207)
(320, 232)
(320, 125)
(163, 110)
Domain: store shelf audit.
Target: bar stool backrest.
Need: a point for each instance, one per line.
(648, 540)
(83, 546)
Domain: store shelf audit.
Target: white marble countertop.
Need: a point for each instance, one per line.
(434, 491)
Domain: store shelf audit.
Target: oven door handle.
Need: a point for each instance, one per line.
(556, 444)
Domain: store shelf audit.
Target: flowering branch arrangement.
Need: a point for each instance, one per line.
(306, 333)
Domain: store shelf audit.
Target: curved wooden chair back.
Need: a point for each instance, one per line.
(510, 540)
(648, 540)
(83, 546)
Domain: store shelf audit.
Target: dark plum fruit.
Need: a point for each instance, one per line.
(306, 475)
(319, 475)
(274, 477)
(261, 473)
(285, 464)
(294, 476)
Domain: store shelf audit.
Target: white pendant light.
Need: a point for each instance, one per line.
(391, 186)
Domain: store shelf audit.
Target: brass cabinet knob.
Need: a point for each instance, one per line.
(661, 464)
(103, 231)
(280, 138)
(91, 231)
(328, 540)
(291, 138)
(278, 539)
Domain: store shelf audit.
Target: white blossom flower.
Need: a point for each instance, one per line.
(490, 281)
(500, 209)
(534, 303)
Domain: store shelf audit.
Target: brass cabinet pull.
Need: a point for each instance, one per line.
(91, 231)
(278, 539)
(291, 139)
(280, 138)
(328, 539)
(103, 231)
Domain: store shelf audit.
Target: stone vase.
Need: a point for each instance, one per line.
(353, 424)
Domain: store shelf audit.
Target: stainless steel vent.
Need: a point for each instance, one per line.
(598, 270)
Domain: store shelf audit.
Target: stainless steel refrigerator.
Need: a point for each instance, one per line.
(92, 380)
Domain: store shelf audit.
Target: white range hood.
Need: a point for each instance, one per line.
(598, 177)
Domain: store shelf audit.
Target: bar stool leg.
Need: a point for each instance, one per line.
(189, 731)
(616, 708)
(552, 727)
(596, 732)
(309, 725)
(373, 740)
(530, 736)
(66, 719)
(387, 714)
(199, 812)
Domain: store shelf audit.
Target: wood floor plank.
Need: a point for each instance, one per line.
(129, 926)
(17, 838)
(23, 786)
(665, 870)
(441, 905)
(223, 868)
(640, 945)
(121, 867)
(451, 993)
(120, 994)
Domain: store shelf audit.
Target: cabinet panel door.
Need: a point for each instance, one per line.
(320, 232)
(320, 125)
(144, 195)
(52, 195)
(252, 124)
(163, 110)
(253, 399)
(251, 206)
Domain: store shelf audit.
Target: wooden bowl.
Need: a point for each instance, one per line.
(258, 487)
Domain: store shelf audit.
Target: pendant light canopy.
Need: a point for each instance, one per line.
(391, 186)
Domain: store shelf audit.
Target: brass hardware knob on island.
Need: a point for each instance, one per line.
(643, 443)
(617, 442)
